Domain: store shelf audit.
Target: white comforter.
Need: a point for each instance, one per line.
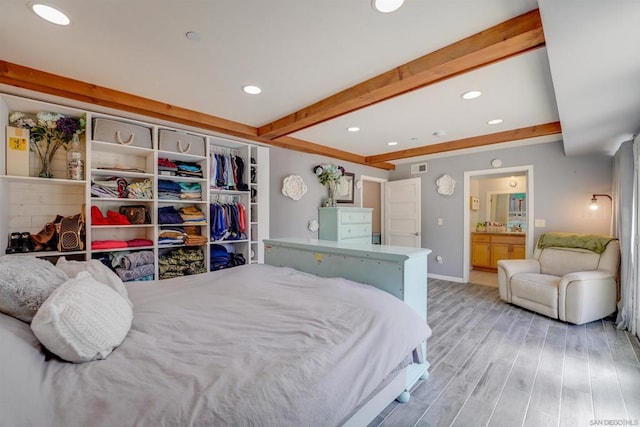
(250, 346)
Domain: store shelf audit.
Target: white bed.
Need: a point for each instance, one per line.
(253, 345)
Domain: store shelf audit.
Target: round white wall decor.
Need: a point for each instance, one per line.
(446, 185)
(313, 225)
(496, 163)
(294, 187)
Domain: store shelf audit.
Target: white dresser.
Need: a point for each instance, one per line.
(346, 225)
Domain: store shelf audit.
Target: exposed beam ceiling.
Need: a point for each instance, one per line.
(476, 141)
(509, 38)
(512, 37)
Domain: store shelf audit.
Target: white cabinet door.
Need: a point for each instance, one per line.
(402, 213)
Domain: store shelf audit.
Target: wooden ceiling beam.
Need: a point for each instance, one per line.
(513, 37)
(52, 84)
(312, 148)
(475, 141)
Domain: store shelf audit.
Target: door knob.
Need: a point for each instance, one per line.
(416, 234)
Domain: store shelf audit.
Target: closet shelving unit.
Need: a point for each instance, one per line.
(232, 197)
(29, 202)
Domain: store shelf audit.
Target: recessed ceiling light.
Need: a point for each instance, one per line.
(472, 94)
(50, 14)
(386, 6)
(251, 89)
(495, 122)
(392, 143)
(353, 129)
(439, 133)
(194, 36)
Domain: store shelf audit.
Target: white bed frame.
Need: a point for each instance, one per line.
(401, 271)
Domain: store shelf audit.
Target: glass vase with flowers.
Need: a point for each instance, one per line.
(48, 133)
(329, 176)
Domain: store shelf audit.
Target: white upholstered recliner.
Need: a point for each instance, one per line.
(568, 283)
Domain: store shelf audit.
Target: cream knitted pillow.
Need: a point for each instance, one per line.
(82, 320)
(98, 271)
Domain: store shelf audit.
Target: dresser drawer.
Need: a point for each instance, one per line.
(355, 217)
(509, 240)
(475, 237)
(355, 230)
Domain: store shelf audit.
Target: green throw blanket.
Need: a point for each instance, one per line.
(593, 242)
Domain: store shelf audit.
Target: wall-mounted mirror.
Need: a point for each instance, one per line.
(509, 209)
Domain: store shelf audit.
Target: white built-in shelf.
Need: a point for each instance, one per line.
(184, 157)
(107, 226)
(44, 181)
(121, 173)
(120, 148)
(181, 201)
(119, 199)
(124, 248)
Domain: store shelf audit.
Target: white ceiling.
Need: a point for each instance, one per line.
(301, 51)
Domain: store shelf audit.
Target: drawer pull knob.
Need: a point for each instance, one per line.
(127, 142)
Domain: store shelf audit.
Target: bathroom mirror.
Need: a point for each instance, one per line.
(509, 209)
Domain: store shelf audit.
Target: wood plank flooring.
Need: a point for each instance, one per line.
(495, 364)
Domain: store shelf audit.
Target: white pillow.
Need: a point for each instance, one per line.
(25, 283)
(82, 320)
(98, 271)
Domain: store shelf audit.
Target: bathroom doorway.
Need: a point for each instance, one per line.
(498, 220)
(372, 196)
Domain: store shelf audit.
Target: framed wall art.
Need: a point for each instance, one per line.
(475, 203)
(345, 188)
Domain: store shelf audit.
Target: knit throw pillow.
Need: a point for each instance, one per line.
(98, 271)
(25, 283)
(82, 320)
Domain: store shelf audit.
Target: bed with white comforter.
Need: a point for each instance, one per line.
(254, 345)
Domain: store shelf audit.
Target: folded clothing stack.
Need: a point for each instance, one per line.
(167, 166)
(135, 266)
(220, 257)
(195, 240)
(115, 244)
(140, 190)
(190, 191)
(172, 236)
(112, 187)
(117, 187)
(189, 169)
(169, 215)
(168, 190)
(181, 262)
(171, 190)
(192, 215)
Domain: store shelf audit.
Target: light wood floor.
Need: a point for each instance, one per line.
(486, 278)
(496, 364)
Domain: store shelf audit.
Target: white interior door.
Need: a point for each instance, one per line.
(402, 220)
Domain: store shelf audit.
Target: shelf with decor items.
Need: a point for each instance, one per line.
(29, 201)
(128, 162)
